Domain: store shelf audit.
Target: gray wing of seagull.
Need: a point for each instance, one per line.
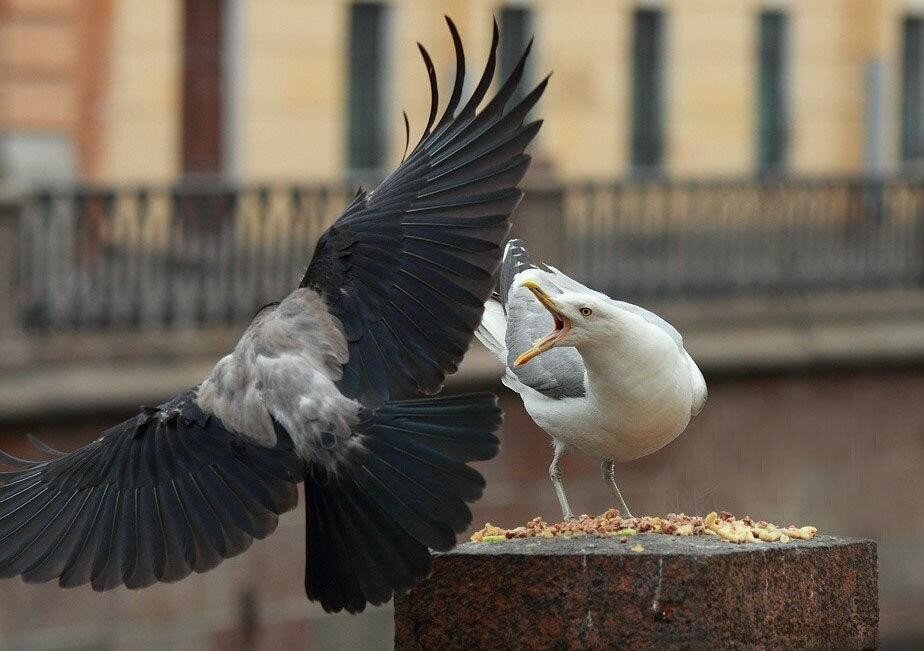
(557, 373)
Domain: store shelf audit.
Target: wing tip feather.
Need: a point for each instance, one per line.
(434, 91)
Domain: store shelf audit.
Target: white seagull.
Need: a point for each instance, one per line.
(611, 379)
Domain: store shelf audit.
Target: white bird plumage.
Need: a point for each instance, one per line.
(611, 379)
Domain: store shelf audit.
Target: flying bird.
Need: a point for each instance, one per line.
(328, 386)
(604, 377)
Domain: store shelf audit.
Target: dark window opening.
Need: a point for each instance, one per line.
(647, 91)
(366, 135)
(203, 114)
(913, 90)
(516, 25)
(772, 118)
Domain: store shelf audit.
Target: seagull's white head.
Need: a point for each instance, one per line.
(579, 320)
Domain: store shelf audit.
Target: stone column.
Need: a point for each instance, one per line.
(654, 591)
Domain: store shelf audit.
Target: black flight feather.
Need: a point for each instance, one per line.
(461, 175)
(164, 494)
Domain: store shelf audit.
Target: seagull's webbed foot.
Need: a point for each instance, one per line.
(609, 476)
(555, 475)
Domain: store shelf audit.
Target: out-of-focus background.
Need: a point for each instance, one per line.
(752, 170)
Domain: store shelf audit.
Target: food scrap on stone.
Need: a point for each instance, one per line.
(610, 524)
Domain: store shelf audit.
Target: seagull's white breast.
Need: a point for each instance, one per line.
(641, 394)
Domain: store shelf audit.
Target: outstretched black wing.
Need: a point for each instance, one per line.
(407, 267)
(161, 495)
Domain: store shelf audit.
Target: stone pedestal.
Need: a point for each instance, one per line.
(673, 592)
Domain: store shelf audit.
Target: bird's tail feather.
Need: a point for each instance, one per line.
(370, 526)
(492, 331)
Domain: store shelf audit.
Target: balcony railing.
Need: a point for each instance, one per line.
(783, 236)
(98, 258)
(155, 257)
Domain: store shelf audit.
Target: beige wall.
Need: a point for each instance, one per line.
(833, 42)
(38, 49)
(292, 90)
(292, 99)
(827, 89)
(586, 115)
(141, 140)
(711, 86)
(289, 88)
(40, 55)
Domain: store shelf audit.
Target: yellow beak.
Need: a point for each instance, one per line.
(549, 340)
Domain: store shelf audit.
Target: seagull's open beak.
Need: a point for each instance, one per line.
(562, 324)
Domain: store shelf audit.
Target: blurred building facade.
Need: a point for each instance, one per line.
(801, 298)
(131, 90)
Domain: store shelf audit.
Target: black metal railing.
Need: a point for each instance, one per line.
(647, 239)
(145, 257)
(156, 257)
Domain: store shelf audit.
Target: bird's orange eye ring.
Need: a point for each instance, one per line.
(586, 311)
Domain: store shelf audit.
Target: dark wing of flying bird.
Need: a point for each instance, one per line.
(164, 494)
(406, 270)
(407, 267)
(386, 309)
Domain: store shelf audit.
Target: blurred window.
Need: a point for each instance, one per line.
(647, 90)
(913, 90)
(366, 137)
(772, 118)
(516, 24)
(202, 86)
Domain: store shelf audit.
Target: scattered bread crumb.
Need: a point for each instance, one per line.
(723, 525)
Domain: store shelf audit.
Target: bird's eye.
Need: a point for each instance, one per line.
(586, 311)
